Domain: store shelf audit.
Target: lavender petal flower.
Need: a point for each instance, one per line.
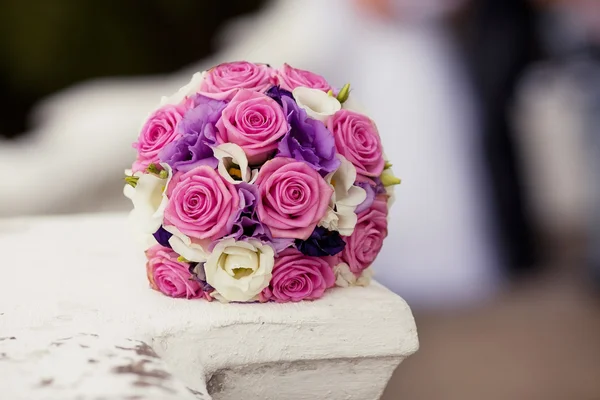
(198, 134)
(368, 200)
(246, 224)
(308, 140)
(187, 153)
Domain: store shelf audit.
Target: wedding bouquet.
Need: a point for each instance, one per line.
(259, 184)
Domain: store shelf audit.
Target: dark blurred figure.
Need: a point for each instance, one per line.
(48, 45)
(500, 44)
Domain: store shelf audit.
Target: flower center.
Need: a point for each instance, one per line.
(241, 264)
(242, 272)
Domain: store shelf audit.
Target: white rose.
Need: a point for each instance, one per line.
(149, 201)
(188, 90)
(317, 104)
(191, 250)
(346, 197)
(239, 271)
(231, 155)
(345, 278)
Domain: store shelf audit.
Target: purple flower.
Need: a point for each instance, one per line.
(198, 275)
(308, 139)
(162, 237)
(368, 200)
(246, 223)
(197, 130)
(277, 93)
(321, 243)
(373, 188)
(188, 153)
(200, 120)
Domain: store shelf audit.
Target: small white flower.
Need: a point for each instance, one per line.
(191, 250)
(346, 197)
(186, 91)
(318, 104)
(345, 278)
(230, 155)
(239, 271)
(149, 202)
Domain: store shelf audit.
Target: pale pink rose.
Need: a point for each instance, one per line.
(290, 78)
(158, 131)
(201, 203)
(225, 80)
(298, 277)
(169, 276)
(253, 121)
(357, 139)
(365, 243)
(293, 198)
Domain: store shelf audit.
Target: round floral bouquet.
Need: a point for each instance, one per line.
(259, 184)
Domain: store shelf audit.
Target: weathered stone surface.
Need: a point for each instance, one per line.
(71, 275)
(86, 366)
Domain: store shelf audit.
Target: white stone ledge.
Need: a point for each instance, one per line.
(71, 275)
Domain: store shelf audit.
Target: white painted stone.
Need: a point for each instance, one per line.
(87, 366)
(62, 276)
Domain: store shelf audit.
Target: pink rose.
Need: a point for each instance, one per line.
(158, 131)
(169, 276)
(253, 121)
(293, 198)
(298, 277)
(290, 78)
(365, 243)
(201, 203)
(357, 139)
(225, 80)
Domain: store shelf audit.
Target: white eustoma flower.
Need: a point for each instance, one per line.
(239, 271)
(230, 155)
(186, 91)
(345, 278)
(346, 197)
(149, 200)
(317, 104)
(191, 250)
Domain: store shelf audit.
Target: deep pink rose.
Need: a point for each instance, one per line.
(201, 203)
(293, 198)
(225, 80)
(357, 139)
(170, 276)
(158, 131)
(367, 239)
(298, 277)
(290, 78)
(253, 121)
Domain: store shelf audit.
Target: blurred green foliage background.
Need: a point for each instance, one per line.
(46, 45)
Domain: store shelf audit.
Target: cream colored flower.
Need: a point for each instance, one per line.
(149, 202)
(233, 164)
(186, 91)
(346, 197)
(239, 271)
(190, 249)
(345, 278)
(317, 104)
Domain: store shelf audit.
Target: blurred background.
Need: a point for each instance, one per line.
(489, 109)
